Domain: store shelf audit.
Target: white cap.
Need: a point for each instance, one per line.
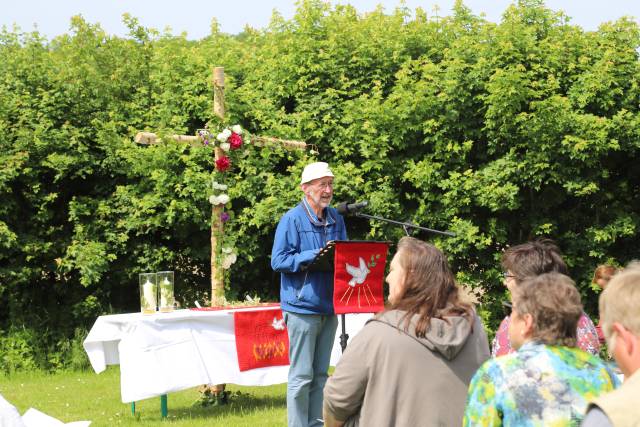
(314, 171)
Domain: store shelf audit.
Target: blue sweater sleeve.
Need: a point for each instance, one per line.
(286, 257)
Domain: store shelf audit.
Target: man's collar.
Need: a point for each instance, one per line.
(327, 220)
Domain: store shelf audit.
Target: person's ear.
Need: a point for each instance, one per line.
(528, 324)
(626, 338)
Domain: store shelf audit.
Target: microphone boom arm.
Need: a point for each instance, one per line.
(405, 225)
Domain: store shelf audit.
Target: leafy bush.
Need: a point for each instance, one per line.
(20, 350)
(26, 349)
(499, 132)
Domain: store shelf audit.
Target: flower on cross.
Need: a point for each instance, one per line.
(223, 163)
(228, 140)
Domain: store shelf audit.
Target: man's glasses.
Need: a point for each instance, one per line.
(323, 185)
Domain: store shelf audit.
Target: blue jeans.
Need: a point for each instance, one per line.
(310, 342)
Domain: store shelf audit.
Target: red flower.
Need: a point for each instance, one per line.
(235, 141)
(223, 163)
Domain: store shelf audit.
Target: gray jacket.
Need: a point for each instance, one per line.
(389, 377)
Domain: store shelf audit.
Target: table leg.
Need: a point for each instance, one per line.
(133, 408)
(163, 406)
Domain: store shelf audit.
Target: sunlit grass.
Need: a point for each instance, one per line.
(75, 396)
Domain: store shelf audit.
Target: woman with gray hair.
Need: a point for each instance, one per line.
(547, 381)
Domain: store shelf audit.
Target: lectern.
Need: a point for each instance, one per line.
(358, 273)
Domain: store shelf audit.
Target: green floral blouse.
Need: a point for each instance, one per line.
(539, 385)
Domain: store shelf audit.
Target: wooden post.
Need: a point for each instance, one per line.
(217, 228)
(217, 274)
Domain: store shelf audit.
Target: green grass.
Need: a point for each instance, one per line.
(75, 396)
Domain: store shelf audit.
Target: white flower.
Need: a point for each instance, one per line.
(237, 129)
(225, 146)
(227, 250)
(216, 186)
(221, 199)
(228, 260)
(224, 135)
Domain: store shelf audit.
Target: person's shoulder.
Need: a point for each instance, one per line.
(335, 214)
(334, 210)
(293, 213)
(384, 319)
(587, 364)
(505, 322)
(373, 335)
(384, 323)
(392, 318)
(513, 361)
(579, 355)
(492, 369)
(585, 321)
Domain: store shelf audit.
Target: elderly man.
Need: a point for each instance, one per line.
(620, 320)
(306, 297)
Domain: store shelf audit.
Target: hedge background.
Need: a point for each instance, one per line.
(499, 132)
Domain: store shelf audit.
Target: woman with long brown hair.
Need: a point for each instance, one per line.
(411, 365)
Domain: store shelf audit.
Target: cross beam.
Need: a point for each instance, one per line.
(150, 138)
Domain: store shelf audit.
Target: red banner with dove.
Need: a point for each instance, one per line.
(261, 339)
(358, 277)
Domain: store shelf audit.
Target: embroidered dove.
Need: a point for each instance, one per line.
(359, 275)
(278, 325)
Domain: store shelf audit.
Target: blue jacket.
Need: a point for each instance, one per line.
(298, 240)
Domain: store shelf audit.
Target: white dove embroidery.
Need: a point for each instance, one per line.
(278, 325)
(359, 275)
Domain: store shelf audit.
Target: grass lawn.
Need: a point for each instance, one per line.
(76, 396)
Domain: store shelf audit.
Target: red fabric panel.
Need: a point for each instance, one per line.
(358, 277)
(261, 339)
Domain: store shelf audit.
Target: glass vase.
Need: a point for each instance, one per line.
(148, 293)
(166, 286)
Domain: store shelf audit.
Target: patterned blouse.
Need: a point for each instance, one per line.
(538, 385)
(587, 338)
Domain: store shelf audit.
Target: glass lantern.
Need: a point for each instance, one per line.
(165, 284)
(148, 293)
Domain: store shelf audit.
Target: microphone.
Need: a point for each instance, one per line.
(345, 208)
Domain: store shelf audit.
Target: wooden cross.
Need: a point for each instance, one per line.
(149, 138)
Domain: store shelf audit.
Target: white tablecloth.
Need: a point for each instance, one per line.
(167, 352)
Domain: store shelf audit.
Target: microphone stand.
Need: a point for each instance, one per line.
(405, 225)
